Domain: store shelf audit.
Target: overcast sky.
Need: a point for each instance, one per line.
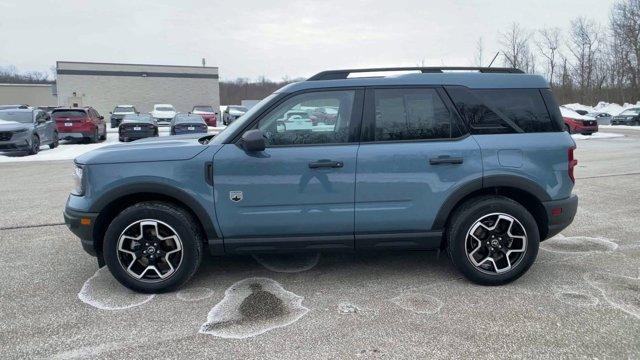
(273, 38)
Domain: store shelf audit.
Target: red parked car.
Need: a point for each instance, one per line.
(207, 113)
(576, 123)
(80, 123)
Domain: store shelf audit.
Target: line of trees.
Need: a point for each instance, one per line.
(10, 75)
(587, 63)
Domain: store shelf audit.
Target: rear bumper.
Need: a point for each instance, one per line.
(130, 135)
(560, 214)
(82, 229)
(73, 135)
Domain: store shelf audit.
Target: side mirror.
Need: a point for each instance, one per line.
(253, 141)
(101, 117)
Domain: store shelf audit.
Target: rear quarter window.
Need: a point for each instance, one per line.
(499, 111)
(525, 107)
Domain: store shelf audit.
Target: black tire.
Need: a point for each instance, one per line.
(56, 141)
(180, 221)
(35, 145)
(467, 215)
(104, 135)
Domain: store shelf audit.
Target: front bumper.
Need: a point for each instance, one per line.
(560, 214)
(14, 145)
(81, 224)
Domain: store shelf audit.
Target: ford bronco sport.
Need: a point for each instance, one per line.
(471, 160)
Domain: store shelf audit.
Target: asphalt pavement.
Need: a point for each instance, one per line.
(580, 299)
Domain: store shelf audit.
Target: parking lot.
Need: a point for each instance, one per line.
(580, 299)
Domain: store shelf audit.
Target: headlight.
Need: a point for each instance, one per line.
(78, 188)
(20, 131)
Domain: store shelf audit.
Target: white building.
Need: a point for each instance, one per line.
(105, 85)
(30, 94)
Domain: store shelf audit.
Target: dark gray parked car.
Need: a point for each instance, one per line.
(134, 127)
(26, 129)
(188, 124)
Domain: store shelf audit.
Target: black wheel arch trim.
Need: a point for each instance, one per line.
(490, 181)
(162, 190)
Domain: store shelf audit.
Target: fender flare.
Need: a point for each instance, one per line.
(491, 181)
(160, 189)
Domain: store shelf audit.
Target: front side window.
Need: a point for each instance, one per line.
(410, 114)
(294, 122)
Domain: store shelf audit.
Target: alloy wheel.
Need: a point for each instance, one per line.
(496, 243)
(150, 250)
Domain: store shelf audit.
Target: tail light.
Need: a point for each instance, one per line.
(572, 163)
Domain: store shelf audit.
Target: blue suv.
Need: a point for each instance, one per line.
(473, 161)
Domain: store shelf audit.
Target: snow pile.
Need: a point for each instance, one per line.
(567, 112)
(596, 136)
(602, 106)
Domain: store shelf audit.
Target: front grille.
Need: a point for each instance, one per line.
(5, 135)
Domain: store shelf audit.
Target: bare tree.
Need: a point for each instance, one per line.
(625, 29)
(479, 56)
(548, 44)
(515, 48)
(584, 45)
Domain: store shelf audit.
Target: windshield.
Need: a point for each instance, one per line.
(203, 109)
(238, 108)
(24, 117)
(164, 108)
(631, 112)
(68, 113)
(123, 110)
(224, 134)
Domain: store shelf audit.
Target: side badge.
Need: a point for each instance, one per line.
(235, 196)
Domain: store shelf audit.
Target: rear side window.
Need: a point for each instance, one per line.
(410, 114)
(500, 111)
(525, 107)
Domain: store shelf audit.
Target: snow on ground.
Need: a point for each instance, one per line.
(625, 127)
(596, 136)
(603, 106)
(69, 150)
(568, 112)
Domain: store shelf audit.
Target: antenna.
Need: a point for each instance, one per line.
(494, 59)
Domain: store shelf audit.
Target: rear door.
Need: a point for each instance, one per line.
(415, 153)
(299, 192)
(41, 125)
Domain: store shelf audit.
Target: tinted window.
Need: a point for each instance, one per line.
(203, 108)
(292, 123)
(410, 114)
(69, 113)
(525, 107)
(120, 109)
(479, 117)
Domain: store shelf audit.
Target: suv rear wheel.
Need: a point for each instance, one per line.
(153, 247)
(493, 240)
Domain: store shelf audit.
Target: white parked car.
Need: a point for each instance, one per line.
(163, 113)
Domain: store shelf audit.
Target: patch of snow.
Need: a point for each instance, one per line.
(252, 307)
(603, 106)
(613, 127)
(596, 136)
(104, 292)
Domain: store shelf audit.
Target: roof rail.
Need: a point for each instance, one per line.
(344, 74)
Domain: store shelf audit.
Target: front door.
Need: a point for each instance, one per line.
(413, 156)
(298, 193)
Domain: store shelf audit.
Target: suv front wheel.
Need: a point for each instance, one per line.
(153, 247)
(493, 240)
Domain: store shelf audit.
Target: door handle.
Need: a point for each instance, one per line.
(325, 164)
(445, 159)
